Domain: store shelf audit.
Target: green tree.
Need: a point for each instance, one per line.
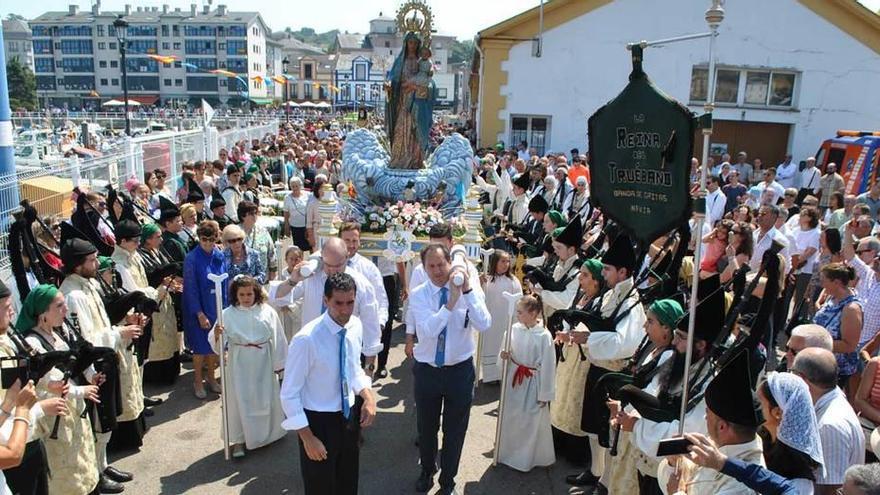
(462, 51)
(22, 85)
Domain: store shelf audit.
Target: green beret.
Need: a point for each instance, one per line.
(557, 232)
(557, 218)
(667, 311)
(232, 169)
(594, 266)
(253, 169)
(148, 230)
(34, 305)
(104, 263)
(257, 160)
(247, 177)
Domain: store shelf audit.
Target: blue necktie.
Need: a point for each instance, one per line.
(343, 373)
(439, 357)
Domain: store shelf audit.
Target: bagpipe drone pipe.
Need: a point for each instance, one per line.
(119, 303)
(28, 254)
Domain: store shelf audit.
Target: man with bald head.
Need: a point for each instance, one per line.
(333, 259)
(843, 443)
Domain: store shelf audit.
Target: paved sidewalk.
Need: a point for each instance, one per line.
(182, 451)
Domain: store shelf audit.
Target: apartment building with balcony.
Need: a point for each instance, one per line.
(77, 59)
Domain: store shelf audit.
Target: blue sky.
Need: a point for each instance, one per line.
(462, 18)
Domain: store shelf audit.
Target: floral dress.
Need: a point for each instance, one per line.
(250, 265)
(260, 241)
(829, 317)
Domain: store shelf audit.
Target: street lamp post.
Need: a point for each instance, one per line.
(284, 64)
(121, 26)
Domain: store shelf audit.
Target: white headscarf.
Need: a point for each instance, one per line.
(798, 428)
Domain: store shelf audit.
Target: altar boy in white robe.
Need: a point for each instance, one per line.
(257, 350)
(526, 436)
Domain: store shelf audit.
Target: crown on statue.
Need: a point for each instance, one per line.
(421, 21)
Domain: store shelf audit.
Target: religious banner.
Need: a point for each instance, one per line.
(641, 144)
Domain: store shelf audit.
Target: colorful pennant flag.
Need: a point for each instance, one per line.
(165, 59)
(221, 72)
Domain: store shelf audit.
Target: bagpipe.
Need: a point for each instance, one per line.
(119, 302)
(24, 244)
(665, 407)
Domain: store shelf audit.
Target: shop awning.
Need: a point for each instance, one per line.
(145, 100)
(261, 101)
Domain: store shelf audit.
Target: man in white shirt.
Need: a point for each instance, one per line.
(232, 193)
(843, 443)
(716, 201)
(808, 181)
(326, 396)
(334, 259)
(765, 234)
(446, 316)
(350, 233)
(787, 173)
(770, 184)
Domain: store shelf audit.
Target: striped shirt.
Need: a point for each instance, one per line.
(843, 443)
(868, 291)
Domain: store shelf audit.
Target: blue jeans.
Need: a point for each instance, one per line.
(449, 390)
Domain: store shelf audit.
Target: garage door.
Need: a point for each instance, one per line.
(769, 142)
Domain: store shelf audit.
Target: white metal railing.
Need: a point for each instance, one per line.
(49, 188)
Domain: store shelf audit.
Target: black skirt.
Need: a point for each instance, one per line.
(163, 372)
(31, 477)
(573, 448)
(595, 414)
(128, 435)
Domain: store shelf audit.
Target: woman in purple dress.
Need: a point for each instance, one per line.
(199, 304)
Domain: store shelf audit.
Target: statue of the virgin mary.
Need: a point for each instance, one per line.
(408, 113)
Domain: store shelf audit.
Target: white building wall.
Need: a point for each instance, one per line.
(585, 64)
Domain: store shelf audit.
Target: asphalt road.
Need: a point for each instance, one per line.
(182, 452)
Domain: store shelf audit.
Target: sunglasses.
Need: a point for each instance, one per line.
(207, 239)
(860, 251)
(234, 241)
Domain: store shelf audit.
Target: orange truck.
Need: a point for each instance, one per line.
(857, 155)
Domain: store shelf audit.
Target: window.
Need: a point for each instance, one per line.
(532, 129)
(203, 83)
(43, 46)
(111, 45)
(102, 45)
(166, 82)
(307, 91)
(141, 65)
(441, 93)
(782, 89)
(757, 87)
(726, 86)
(114, 64)
(99, 30)
(199, 47)
(76, 47)
(743, 86)
(75, 31)
(141, 47)
(322, 93)
(46, 83)
(360, 72)
(114, 81)
(166, 65)
(293, 91)
(237, 65)
(79, 83)
(201, 64)
(165, 30)
(103, 81)
(175, 30)
(308, 71)
(40, 31)
(142, 30)
(199, 31)
(222, 64)
(177, 45)
(102, 64)
(166, 45)
(143, 83)
(178, 64)
(221, 46)
(222, 83)
(178, 83)
(77, 65)
(360, 92)
(236, 47)
(387, 44)
(375, 92)
(237, 30)
(44, 65)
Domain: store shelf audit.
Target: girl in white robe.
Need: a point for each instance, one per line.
(496, 283)
(256, 350)
(526, 438)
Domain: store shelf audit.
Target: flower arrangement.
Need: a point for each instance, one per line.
(414, 217)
